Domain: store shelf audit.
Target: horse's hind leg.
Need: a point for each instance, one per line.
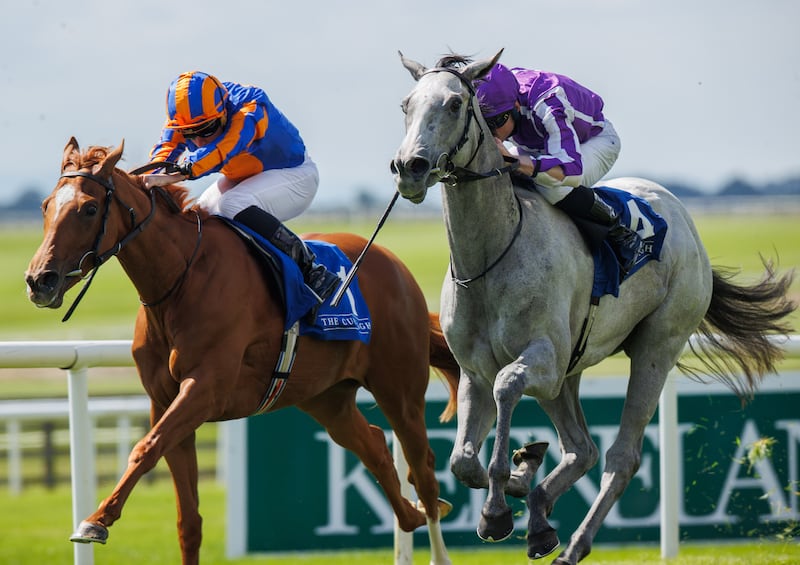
(336, 411)
(405, 411)
(649, 368)
(622, 462)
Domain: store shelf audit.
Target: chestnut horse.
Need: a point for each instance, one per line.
(209, 332)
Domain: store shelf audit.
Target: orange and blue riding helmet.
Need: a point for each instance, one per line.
(193, 99)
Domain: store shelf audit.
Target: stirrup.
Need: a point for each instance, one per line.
(626, 244)
(322, 282)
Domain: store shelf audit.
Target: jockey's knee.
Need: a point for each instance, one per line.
(233, 202)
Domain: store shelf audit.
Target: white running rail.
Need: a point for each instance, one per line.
(76, 357)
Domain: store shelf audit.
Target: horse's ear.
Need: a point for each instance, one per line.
(478, 69)
(108, 164)
(71, 148)
(416, 69)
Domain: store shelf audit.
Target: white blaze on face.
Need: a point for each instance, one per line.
(65, 195)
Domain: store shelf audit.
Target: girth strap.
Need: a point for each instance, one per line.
(283, 368)
(588, 322)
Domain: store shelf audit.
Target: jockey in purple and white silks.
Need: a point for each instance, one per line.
(561, 138)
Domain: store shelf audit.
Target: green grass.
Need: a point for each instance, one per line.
(109, 308)
(36, 526)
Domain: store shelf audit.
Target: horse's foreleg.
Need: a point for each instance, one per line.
(496, 522)
(182, 461)
(186, 413)
(141, 459)
(578, 455)
(533, 373)
(476, 413)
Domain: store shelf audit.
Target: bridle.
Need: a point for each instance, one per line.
(136, 229)
(445, 168)
(451, 174)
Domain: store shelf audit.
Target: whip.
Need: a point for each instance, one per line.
(352, 273)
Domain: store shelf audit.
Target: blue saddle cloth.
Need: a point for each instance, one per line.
(638, 215)
(350, 320)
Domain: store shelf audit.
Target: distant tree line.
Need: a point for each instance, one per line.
(27, 205)
(738, 187)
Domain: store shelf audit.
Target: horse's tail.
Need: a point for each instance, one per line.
(737, 346)
(444, 364)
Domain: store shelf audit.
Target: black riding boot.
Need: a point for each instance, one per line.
(321, 281)
(584, 203)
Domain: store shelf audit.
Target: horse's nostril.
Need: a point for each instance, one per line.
(394, 166)
(50, 279)
(419, 166)
(45, 282)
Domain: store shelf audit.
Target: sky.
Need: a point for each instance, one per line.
(700, 91)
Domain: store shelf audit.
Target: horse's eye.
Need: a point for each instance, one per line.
(91, 210)
(455, 105)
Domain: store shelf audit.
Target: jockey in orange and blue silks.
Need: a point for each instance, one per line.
(266, 174)
(246, 135)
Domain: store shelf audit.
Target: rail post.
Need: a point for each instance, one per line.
(81, 458)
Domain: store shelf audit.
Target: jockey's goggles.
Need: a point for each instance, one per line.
(204, 130)
(498, 121)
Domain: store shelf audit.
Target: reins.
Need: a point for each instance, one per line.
(465, 282)
(452, 175)
(136, 229)
(181, 278)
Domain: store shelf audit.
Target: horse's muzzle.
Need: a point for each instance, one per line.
(44, 289)
(412, 177)
(418, 168)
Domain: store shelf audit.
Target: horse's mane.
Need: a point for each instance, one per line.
(179, 195)
(453, 61)
(95, 154)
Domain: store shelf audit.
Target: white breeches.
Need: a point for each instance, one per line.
(284, 193)
(598, 155)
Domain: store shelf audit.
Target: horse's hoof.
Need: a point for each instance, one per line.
(496, 528)
(528, 459)
(444, 508)
(89, 533)
(533, 452)
(542, 544)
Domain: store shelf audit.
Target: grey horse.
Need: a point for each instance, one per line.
(517, 296)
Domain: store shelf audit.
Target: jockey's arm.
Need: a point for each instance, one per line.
(531, 167)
